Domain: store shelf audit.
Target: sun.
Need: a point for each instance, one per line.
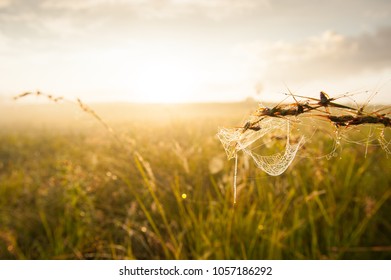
(165, 79)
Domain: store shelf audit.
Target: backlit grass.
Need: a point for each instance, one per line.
(70, 190)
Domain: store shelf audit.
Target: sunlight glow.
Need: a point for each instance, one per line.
(165, 79)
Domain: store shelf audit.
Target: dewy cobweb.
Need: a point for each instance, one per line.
(234, 141)
(276, 164)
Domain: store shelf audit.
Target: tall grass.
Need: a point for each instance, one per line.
(79, 194)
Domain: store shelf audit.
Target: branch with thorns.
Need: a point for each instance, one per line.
(356, 116)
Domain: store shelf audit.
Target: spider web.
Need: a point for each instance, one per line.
(235, 140)
(276, 164)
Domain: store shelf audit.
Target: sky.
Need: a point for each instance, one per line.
(194, 50)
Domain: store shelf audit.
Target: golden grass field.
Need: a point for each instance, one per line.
(160, 187)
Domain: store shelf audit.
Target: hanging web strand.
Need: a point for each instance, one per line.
(276, 164)
(235, 176)
(385, 144)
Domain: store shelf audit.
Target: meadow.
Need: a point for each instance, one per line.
(160, 187)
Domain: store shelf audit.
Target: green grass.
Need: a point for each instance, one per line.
(68, 190)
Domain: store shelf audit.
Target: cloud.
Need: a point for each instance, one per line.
(4, 3)
(161, 9)
(148, 9)
(328, 55)
(46, 23)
